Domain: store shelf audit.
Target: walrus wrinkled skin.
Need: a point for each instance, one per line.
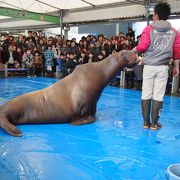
(70, 100)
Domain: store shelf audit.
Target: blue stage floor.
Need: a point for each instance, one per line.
(115, 147)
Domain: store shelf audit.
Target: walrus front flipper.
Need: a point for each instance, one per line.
(9, 127)
(83, 120)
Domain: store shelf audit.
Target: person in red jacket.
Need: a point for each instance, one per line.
(159, 42)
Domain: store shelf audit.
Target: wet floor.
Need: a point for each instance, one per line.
(115, 147)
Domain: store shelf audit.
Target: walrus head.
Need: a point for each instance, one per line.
(130, 57)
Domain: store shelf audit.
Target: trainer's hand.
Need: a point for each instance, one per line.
(134, 49)
(176, 68)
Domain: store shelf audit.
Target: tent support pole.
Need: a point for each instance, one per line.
(61, 21)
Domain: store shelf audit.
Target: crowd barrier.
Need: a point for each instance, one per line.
(6, 72)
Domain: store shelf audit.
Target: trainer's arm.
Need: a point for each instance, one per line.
(144, 41)
(176, 54)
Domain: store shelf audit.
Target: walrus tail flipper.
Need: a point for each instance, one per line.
(9, 127)
(83, 120)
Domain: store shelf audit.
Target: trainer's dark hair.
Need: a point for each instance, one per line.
(163, 10)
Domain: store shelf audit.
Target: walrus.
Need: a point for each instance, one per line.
(72, 99)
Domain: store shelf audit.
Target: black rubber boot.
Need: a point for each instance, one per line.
(146, 107)
(156, 110)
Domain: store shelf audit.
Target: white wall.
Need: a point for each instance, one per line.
(175, 24)
(137, 27)
(73, 33)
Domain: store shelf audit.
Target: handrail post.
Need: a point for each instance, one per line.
(5, 71)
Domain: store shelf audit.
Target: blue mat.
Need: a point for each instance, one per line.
(115, 147)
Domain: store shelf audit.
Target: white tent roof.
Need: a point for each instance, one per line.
(47, 6)
(110, 13)
(78, 11)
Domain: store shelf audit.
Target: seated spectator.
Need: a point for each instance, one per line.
(64, 65)
(121, 34)
(60, 68)
(10, 57)
(89, 38)
(137, 40)
(70, 64)
(63, 48)
(57, 53)
(81, 46)
(83, 58)
(116, 46)
(30, 36)
(100, 57)
(37, 64)
(42, 47)
(6, 42)
(131, 33)
(49, 60)
(20, 42)
(100, 40)
(30, 44)
(91, 57)
(99, 44)
(73, 49)
(17, 65)
(12, 41)
(60, 61)
(36, 38)
(85, 45)
(94, 38)
(123, 43)
(28, 62)
(130, 42)
(92, 47)
(19, 56)
(108, 47)
(40, 34)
